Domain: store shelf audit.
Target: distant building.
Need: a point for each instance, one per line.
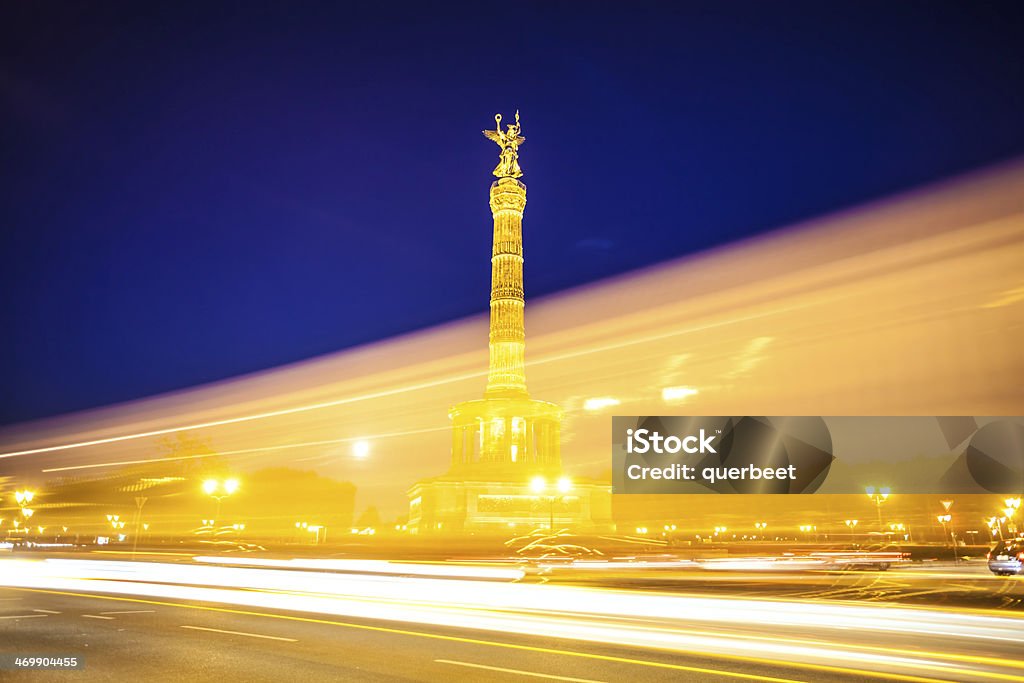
(506, 462)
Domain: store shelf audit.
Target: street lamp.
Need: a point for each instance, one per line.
(361, 449)
(1012, 505)
(220, 490)
(851, 524)
(539, 485)
(24, 497)
(995, 527)
(878, 496)
(946, 532)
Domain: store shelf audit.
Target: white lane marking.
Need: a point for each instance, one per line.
(131, 611)
(95, 616)
(517, 671)
(24, 616)
(46, 611)
(241, 633)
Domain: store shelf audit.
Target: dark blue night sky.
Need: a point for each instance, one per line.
(197, 191)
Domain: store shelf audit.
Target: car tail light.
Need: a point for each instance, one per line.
(1020, 556)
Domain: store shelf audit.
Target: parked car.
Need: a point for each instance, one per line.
(1007, 557)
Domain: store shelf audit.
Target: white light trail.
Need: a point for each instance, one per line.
(840, 636)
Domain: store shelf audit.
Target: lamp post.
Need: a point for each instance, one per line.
(220, 490)
(899, 527)
(539, 485)
(851, 524)
(1012, 505)
(23, 498)
(944, 520)
(139, 502)
(995, 527)
(879, 496)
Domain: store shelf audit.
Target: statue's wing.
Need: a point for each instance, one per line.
(520, 140)
(496, 136)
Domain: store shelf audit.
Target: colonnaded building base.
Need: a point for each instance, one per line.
(451, 505)
(506, 475)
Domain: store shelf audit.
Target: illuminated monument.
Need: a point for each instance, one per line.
(506, 465)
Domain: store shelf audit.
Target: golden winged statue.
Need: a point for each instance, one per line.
(509, 141)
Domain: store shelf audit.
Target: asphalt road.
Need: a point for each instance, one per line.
(124, 640)
(382, 621)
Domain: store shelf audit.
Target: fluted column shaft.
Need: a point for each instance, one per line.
(507, 372)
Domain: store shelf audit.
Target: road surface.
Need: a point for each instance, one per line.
(207, 621)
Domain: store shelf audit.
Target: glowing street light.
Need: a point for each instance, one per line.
(220, 490)
(851, 524)
(899, 527)
(538, 485)
(361, 449)
(1012, 505)
(995, 527)
(944, 520)
(24, 497)
(879, 496)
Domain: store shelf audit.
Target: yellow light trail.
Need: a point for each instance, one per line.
(552, 358)
(240, 419)
(327, 442)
